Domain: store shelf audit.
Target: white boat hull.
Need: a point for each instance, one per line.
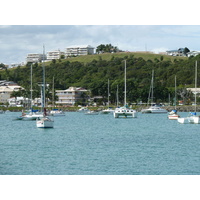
(173, 116)
(45, 122)
(154, 110)
(57, 113)
(189, 120)
(32, 116)
(91, 113)
(194, 120)
(121, 112)
(183, 120)
(106, 111)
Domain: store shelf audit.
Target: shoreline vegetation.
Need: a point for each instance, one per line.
(184, 108)
(92, 72)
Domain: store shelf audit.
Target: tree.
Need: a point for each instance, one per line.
(108, 48)
(2, 66)
(62, 57)
(186, 50)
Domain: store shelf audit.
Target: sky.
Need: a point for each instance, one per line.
(16, 41)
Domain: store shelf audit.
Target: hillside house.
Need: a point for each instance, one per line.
(6, 89)
(54, 54)
(179, 52)
(35, 57)
(79, 50)
(71, 96)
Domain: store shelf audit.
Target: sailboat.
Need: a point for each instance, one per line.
(154, 109)
(55, 112)
(44, 121)
(192, 118)
(34, 114)
(108, 110)
(124, 111)
(173, 114)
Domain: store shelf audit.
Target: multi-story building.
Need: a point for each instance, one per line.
(79, 50)
(13, 65)
(6, 89)
(193, 53)
(70, 96)
(35, 57)
(54, 54)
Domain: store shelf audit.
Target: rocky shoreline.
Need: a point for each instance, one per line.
(178, 108)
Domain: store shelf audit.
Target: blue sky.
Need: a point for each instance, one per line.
(16, 41)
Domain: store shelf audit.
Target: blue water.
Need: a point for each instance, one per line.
(99, 145)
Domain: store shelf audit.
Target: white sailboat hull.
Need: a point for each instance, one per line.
(45, 122)
(32, 116)
(108, 111)
(121, 112)
(189, 120)
(183, 120)
(57, 113)
(154, 110)
(92, 113)
(173, 116)
(194, 120)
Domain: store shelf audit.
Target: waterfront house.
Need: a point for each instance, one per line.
(71, 96)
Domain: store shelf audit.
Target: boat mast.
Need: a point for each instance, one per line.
(125, 85)
(195, 86)
(175, 93)
(53, 93)
(108, 93)
(31, 87)
(152, 87)
(150, 97)
(43, 96)
(117, 97)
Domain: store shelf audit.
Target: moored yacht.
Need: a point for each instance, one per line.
(32, 115)
(124, 111)
(192, 118)
(91, 112)
(154, 109)
(173, 115)
(57, 113)
(45, 121)
(107, 111)
(83, 109)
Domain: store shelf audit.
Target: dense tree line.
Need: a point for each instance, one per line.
(94, 76)
(106, 48)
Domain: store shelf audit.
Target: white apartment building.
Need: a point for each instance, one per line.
(70, 96)
(54, 54)
(193, 53)
(35, 57)
(79, 50)
(13, 65)
(6, 91)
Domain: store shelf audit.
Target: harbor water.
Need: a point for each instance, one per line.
(82, 144)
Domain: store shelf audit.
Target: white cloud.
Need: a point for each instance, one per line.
(17, 41)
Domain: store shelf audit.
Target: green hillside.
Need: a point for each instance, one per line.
(93, 71)
(108, 56)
